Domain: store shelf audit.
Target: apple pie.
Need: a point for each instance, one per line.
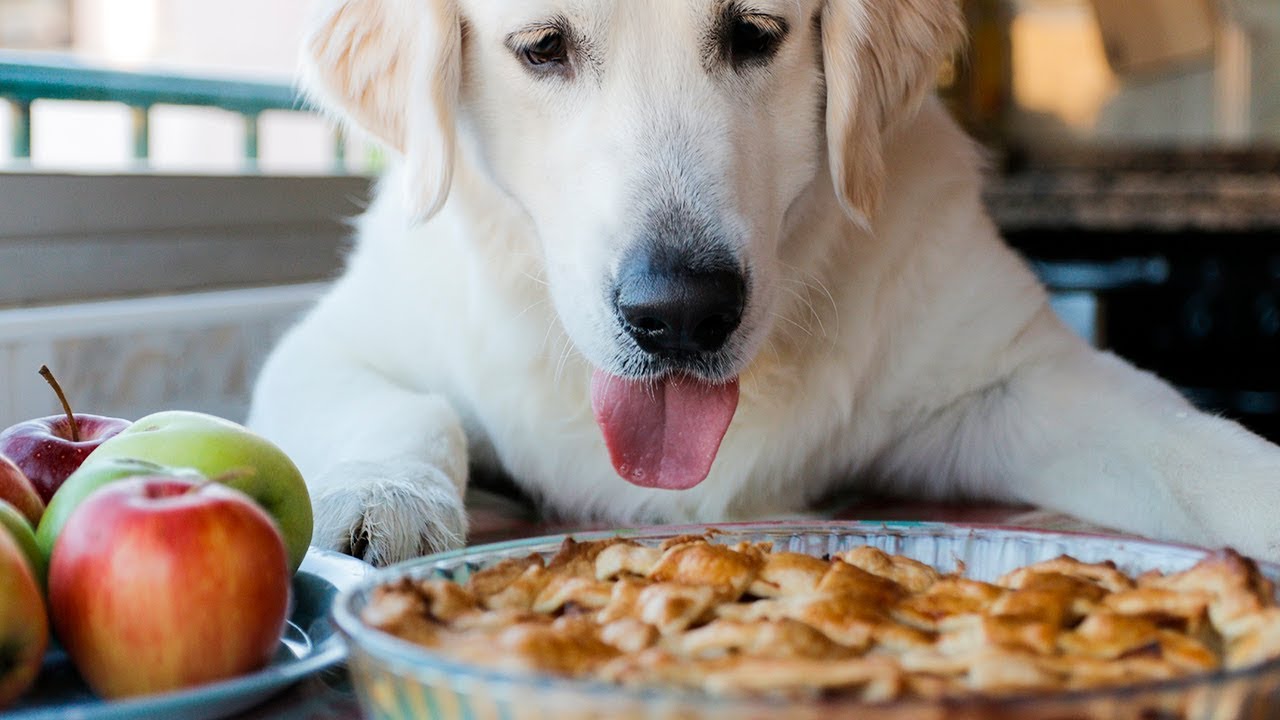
(744, 620)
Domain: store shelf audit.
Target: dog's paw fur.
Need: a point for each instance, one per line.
(383, 513)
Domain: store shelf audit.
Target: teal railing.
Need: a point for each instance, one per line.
(26, 78)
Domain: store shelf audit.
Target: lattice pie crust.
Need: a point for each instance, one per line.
(744, 620)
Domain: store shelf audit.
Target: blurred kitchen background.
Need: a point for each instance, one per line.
(1134, 158)
(1135, 149)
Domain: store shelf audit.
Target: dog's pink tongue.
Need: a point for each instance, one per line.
(663, 434)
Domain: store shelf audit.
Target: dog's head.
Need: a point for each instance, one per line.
(658, 149)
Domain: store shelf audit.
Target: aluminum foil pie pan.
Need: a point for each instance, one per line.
(396, 679)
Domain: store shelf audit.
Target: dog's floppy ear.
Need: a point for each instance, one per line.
(880, 59)
(392, 68)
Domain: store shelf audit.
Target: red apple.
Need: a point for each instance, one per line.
(24, 627)
(49, 449)
(157, 584)
(17, 490)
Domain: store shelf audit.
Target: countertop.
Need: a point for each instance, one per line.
(1151, 190)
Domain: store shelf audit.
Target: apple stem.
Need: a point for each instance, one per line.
(47, 374)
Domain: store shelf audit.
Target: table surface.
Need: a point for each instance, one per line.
(328, 696)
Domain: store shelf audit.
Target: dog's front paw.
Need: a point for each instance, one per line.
(383, 513)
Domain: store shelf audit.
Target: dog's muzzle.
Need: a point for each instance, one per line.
(663, 425)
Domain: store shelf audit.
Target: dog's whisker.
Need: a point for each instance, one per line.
(564, 362)
(786, 319)
(803, 295)
(546, 336)
(545, 345)
(815, 283)
(813, 311)
(785, 332)
(526, 311)
(835, 307)
(566, 351)
(536, 279)
(561, 348)
(773, 348)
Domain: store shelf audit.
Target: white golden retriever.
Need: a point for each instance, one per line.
(701, 260)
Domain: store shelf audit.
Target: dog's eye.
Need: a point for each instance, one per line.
(754, 38)
(549, 49)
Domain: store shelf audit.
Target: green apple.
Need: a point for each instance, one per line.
(224, 451)
(19, 528)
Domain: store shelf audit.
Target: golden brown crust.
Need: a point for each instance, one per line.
(743, 620)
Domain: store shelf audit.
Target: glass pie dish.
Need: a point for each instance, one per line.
(398, 679)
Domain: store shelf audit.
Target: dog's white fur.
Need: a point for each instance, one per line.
(891, 340)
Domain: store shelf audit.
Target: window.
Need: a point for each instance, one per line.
(174, 207)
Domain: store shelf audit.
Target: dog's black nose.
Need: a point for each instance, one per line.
(674, 305)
